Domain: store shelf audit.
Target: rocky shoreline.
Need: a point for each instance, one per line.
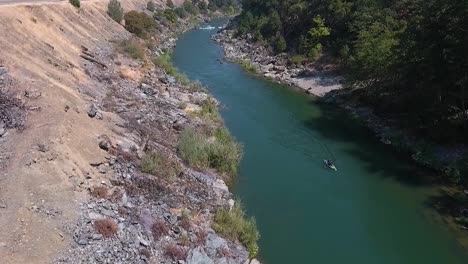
(323, 81)
(135, 217)
(313, 79)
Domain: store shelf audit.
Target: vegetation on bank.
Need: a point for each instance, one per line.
(248, 66)
(161, 165)
(115, 10)
(405, 58)
(235, 225)
(214, 149)
(209, 145)
(132, 48)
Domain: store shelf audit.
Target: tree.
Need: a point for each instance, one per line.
(138, 23)
(202, 6)
(311, 44)
(115, 10)
(190, 7)
(151, 6)
(75, 3)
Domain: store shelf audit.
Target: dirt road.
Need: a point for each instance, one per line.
(14, 2)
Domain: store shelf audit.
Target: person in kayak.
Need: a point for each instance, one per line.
(329, 163)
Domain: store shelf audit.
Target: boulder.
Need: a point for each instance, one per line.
(93, 112)
(104, 142)
(198, 256)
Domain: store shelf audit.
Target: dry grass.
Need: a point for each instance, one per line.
(99, 192)
(106, 227)
(159, 229)
(175, 252)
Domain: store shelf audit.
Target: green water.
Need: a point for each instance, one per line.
(371, 211)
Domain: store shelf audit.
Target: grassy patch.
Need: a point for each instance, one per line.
(235, 225)
(248, 66)
(160, 165)
(219, 151)
(164, 61)
(209, 110)
(132, 49)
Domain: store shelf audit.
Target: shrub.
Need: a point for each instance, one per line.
(209, 110)
(170, 15)
(75, 3)
(248, 66)
(159, 229)
(133, 49)
(235, 225)
(190, 7)
(185, 221)
(175, 252)
(106, 227)
(115, 10)
(297, 59)
(138, 23)
(99, 192)
(197, 86)
(151, 6)
(222, 153)
(160, 165)
(181, 12)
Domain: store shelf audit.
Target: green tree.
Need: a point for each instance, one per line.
(311, 44)
(115, 10)
(75, 3)
(138, 23)
(151, 6)
(190, 7)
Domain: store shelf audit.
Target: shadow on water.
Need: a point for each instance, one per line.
(337, 126)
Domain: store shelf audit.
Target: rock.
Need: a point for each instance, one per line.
(97, 236)
(95, 216)
(231, 203)
(143, 242)
(3, 70)
(104, 142)
(43, 147)
(92, 110)
(82, 241)
(171, 218)
(213, 243)
(254, 261)
(103, 168)
(32, 94)
(2, 131)
(198, 256)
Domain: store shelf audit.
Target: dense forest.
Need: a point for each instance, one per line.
(410, 56)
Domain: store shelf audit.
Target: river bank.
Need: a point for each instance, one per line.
(164, 206)
(323, 81)
(94, 171)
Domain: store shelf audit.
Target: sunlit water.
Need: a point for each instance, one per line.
(371, 211)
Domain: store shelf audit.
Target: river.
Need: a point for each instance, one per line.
(372, 210)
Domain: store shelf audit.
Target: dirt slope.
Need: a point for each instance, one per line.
(40, 47)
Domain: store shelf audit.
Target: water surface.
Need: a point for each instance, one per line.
(371, 211)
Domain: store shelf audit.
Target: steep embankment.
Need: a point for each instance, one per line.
(40, 48)
(74, 142)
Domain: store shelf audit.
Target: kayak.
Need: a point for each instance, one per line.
(331, 167)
